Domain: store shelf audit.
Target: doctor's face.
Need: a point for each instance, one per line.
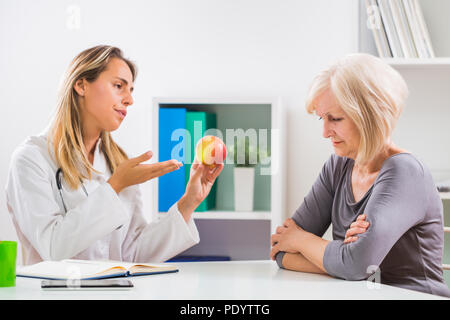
(337, 125)
(104, 102)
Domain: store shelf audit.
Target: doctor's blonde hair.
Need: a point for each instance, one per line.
(370, 92)
(66, 128)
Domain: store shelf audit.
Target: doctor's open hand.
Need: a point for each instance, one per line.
(131, 171)
(200, 183)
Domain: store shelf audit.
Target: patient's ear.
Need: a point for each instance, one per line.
(80, 87)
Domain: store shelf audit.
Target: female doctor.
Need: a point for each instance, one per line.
(73, 192)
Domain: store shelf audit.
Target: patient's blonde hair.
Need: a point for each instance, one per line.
(370, 92)
(66, 128)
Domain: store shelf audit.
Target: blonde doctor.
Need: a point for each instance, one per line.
(73, 192)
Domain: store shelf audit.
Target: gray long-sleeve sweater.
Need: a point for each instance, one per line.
(404, 241)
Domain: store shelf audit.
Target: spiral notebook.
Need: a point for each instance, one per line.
(89, 269)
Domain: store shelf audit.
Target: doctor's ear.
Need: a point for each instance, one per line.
(80, 87)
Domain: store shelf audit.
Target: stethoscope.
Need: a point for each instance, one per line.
(59, 185)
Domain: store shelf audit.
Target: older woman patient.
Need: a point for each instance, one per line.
(380, 199)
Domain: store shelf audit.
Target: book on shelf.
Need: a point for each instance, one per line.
(391, 32)
(423, 27)
(197, 124)
(403, 27)
(179, 131)
(419, 40)
(89, 269)
(171, 140)
(378, 30)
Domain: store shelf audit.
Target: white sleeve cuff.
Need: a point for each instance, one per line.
(189, 226)
(166, 238)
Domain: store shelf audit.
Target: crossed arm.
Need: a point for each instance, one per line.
(304, 251)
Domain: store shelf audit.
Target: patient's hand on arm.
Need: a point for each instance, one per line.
(358, 227)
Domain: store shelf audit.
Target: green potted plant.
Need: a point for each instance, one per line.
(246, 155)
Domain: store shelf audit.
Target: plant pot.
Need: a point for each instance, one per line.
(244, 184)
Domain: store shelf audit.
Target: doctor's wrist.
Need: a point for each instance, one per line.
(115, 185)
(186, 207)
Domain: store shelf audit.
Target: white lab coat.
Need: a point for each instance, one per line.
(100, 226)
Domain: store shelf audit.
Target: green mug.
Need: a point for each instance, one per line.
(8, 253)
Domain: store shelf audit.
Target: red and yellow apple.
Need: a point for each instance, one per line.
(210, 150)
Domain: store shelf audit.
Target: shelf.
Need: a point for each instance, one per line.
(435, 14)
(223, 231)
(230, 215)
(258, 114)
(445, 195)
(443, 62)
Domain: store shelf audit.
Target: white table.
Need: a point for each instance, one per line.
(246, 280)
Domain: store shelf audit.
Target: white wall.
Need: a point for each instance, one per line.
(183, 48)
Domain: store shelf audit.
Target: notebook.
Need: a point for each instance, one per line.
(89, 269)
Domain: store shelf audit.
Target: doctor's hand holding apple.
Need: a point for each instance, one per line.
(209, 161)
